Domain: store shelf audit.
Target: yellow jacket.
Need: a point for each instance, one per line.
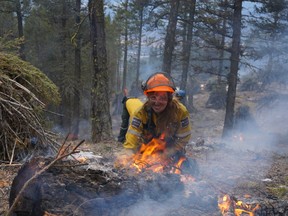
(140, 132)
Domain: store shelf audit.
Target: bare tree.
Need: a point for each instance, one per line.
(77, 72)
(20, 28)
(187, 43)
(101, 119)
(141, 6)
(233, 75)
(170, 36)
(125, 61)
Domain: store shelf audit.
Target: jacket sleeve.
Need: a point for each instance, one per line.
(135, 129)
(183, 134)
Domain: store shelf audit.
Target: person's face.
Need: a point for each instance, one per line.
(158, 101)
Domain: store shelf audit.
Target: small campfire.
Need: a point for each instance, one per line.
(152, 157)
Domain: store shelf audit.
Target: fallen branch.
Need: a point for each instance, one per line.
(10, 165)
(59, 157)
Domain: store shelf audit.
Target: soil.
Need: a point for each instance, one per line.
(254, 161)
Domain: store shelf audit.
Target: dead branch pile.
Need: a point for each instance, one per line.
(21, 110)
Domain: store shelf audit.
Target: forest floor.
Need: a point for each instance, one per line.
(250, 161)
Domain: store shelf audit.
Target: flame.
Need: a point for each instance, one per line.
(226, 204)
(177, 168)
(82, 159)
(153, 156)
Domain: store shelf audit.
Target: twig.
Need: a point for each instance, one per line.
(62, 146)
(58, 158)
(13, 150)
(5, 165)
(2, 191)
(74, 165)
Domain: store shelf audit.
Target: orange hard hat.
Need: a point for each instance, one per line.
(159, 82)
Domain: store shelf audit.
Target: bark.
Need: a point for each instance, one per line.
(139, 48)
(125, 63)
(232, 76)
(77, 73)
(170, 37)
(20, 29)
(187, 43)
(65, 107)
(222, 44)
(100, 114)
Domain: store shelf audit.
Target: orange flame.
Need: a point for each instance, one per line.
(226, 204)
(152, 156)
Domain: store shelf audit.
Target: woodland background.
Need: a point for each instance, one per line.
(93, 50)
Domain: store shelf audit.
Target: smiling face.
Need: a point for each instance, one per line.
(158, 101)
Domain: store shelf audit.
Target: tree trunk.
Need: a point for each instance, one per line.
(139, 49)
(124, 85)
(65, 106)
(233, 75)
(77, 73)
(20, 29)
(222, 45)
(100, 114)
(187, 43)
(170, 37)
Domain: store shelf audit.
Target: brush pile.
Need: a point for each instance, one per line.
(21, 110)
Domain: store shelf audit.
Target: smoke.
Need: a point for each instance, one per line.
(248, 154)
(152, 207)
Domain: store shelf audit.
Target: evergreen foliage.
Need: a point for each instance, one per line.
(32, 78)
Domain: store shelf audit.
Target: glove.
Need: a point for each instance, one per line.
(173, 154)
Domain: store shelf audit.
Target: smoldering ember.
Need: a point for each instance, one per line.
(231, 181)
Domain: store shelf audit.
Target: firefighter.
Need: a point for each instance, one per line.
(161, 116)
(180, 95)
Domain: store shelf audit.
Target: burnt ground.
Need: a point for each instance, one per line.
(253, 163)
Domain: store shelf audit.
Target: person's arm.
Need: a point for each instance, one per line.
(183, 134)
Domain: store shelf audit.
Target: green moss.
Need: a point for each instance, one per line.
(30, 77)
(280, 191)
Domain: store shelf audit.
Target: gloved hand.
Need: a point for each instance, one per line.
(173, 154)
